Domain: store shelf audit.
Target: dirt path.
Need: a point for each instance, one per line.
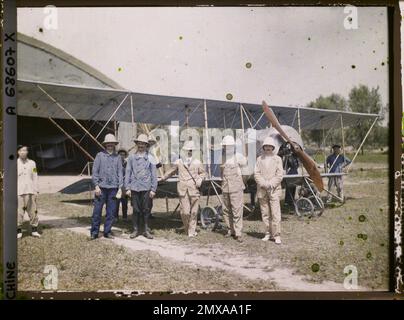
(252, 267)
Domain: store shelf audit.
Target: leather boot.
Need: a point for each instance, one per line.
(135, 221)
(147, 233)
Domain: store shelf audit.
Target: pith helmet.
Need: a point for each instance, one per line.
(110, 138)
(142, 138)
(269, 141)
(336, 146)
(189, 145)
(228, 141)
(152, 140)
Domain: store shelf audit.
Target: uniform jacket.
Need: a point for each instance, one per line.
(27, 177)
(232, 178)
(337, 162)
(268, 172)
(291, 163)
(107, 170)
(141, 173)
(186, 179)
(124, 163)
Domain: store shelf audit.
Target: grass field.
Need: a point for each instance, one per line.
(318, 249)
(87, 266)
(368, 157)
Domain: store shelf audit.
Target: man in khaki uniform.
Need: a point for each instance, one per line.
(27, 187)
(268, 174)
(232, 188)
(190, 175)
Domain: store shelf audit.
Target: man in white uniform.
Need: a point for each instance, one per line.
(27, 188)
(268, 175)
(232, 188)
(190, 175)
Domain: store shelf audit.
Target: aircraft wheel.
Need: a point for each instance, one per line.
(209, 217)
(304, 207)
(318, 206)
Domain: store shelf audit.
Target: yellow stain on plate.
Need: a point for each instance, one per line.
(229, 96)
(120, 69)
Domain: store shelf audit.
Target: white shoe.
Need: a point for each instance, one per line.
(35, 234)
(278, 240)
(266, 238)
(192, 235)
(19, 235)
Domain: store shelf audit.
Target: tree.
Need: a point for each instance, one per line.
(364, 100)
(331, 102)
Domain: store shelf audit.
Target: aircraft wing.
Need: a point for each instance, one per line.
(299, 178)
(36, 99)
(168, 188)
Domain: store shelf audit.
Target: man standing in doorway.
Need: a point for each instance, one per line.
(27, 188)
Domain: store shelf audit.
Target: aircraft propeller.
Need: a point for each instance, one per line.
(308, 163)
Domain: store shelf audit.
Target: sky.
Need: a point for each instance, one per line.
(287, 56)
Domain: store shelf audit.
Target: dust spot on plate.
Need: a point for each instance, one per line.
(362, 218)
(180, 37)
(34, 105)
(369, 255)
(120, 69)
(229, 96)
(383, 63)
(40, 30)
(248, 65)
(315, 267)
(309, 38)
(341, 243)
(362, 236)
(353, 66)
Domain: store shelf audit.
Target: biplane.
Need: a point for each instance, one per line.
(284, 123)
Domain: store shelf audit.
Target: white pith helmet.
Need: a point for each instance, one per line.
(142, 138)
(189, 145)
(269, 141)
(228, 141)
(110, 138)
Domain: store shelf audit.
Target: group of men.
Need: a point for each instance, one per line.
(115, 177)
(118, 177)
